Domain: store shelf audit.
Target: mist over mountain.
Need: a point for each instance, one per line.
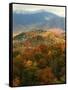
(38, 19)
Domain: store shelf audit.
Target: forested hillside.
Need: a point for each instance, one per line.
(39, 57)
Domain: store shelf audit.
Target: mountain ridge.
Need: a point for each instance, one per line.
(38, 19)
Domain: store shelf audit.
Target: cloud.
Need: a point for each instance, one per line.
(20, 8)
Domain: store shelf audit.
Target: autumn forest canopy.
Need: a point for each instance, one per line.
(39, 57)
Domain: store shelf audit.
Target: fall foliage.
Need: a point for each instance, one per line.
(39, 59)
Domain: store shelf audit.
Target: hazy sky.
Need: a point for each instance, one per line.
(20, 8)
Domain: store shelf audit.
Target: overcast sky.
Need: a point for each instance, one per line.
(20, 8)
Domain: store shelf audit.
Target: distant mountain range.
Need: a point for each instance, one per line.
(38, 19)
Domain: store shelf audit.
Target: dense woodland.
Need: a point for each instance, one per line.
(39, 58)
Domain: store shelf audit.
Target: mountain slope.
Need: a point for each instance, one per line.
(39, 19)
